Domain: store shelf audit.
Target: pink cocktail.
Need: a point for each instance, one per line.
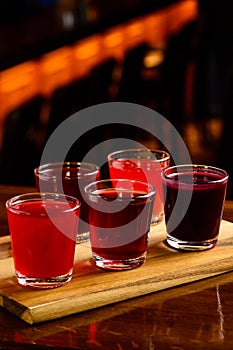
(142, 165)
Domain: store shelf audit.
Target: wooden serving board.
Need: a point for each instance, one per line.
(92, 288)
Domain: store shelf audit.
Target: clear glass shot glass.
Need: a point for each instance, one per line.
(69, 178)
(194, 202)
(43, 229)
(119, 215)
(144, 165)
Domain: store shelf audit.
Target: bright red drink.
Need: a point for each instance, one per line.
(142, 165)
(202, 191)
(119, 223)
(43, 234)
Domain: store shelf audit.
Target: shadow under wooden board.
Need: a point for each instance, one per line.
(91, 288)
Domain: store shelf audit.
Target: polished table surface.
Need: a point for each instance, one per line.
(197, 315)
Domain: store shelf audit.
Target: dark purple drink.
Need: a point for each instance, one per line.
(194, 219)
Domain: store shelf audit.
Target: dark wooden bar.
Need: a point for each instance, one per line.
(196, 315)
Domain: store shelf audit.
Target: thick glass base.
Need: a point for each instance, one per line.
(118, 265)
(157, 218)
(190, 245)
(82, 237)
(43, 283)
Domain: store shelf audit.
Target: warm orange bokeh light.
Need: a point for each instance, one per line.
(55, 69)
(61, 66)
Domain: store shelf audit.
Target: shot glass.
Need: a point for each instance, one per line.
(43, 229)
(69, 178)
(119, 215)
(144, 165)
(194, 201)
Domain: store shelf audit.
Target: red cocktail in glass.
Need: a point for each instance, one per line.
(119, 215)
(69, 178)
(43, 231)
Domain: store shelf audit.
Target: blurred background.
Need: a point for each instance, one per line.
(60, 56)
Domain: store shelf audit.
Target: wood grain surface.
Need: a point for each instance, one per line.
(91, 287)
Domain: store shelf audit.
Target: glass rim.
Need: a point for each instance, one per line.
(151, 189)
(213, 169)
(42, 170)
(38, 196)
(152, 150)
